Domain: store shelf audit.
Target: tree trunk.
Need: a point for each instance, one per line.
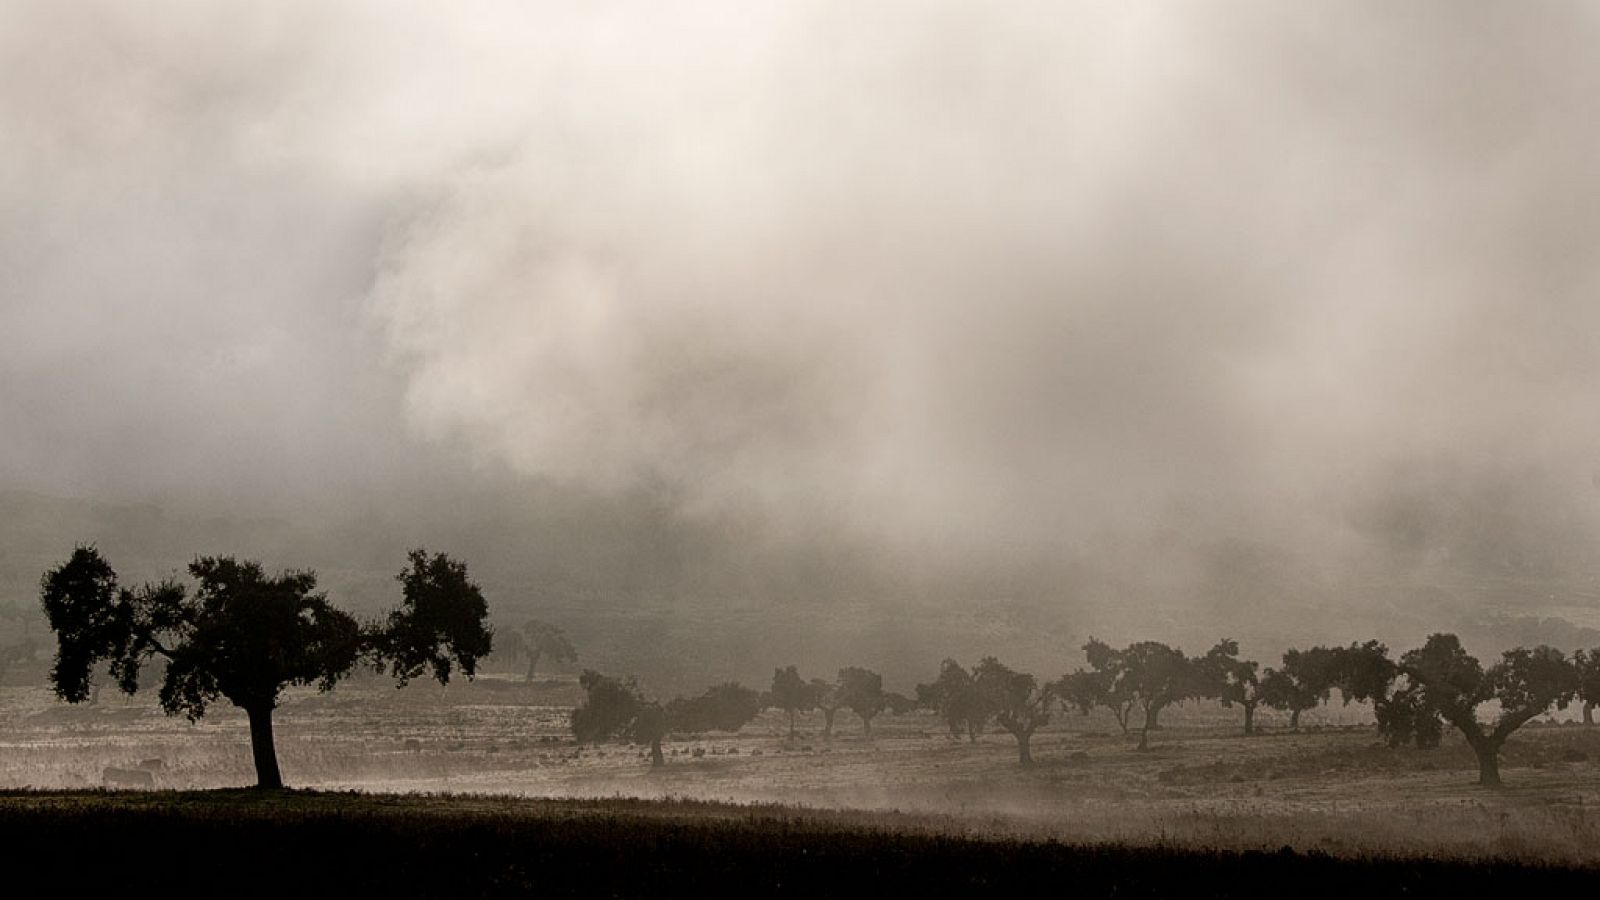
(261, 747)
(1588, 712)
(656, 759)
(1150, 714)
(1488, 761)
(972, 732)
(1294, 719)
(1122, 718)
(792, 732)
(827, 724)
(1250, 718)
(866, 726)
(1024, 752)
(533, 663)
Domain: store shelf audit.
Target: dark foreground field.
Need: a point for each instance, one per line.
(298, 844)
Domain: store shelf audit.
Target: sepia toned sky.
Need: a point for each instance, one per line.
(996, 281)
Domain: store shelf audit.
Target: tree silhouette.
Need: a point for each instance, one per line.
(1231, 680)
(897, 703)
(1147, 674)
(617, 708)
(723, 707)
(830, 700)
(1020, 706)
(1304, 681)
(1104, 683)
(956, 699)
(439, 624)
(1365, 673)
(1587, 665)
(614, 708)
(792, 695)
(1524, 684)
(244, 636)
(542, 639)
(861, 691)
(509, 645)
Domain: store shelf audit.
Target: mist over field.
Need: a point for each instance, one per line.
(843, 334)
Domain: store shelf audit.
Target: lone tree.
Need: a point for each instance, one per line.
(1587, 665)
(509, 645)
(1304, 682)
(861, 691)
(791, 694)
(1524, 684)
(615, 708)
(1231, 680)
(955, 697)
(1020, 705)
(541, 639)
(244, 636)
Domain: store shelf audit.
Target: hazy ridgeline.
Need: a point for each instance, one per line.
(643, 598)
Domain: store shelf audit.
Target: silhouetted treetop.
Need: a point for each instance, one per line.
(439, 624)
(244, 635)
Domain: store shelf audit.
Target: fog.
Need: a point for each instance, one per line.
(1254, 317)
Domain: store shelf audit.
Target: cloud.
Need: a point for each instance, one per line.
(958, 278)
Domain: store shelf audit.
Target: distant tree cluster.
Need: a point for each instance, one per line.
(615, 708)
(1413, 698)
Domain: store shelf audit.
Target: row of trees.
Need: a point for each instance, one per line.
(242, 635)
(617, 708)
(1413, 697)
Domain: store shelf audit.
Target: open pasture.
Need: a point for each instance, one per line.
(1331, 788)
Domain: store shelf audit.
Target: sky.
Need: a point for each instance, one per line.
(971, 286)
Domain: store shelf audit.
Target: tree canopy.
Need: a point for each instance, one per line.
(861, 692)
(1586, 664)
(1231, 680)
(1148, 675)
(243, 635)
(792, 694)
(1018, 703)
(723, 707)
(954, 695)
(1304, 681)
(1524, 683)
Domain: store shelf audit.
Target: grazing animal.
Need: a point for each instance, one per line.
(128, 778)
(413, 745)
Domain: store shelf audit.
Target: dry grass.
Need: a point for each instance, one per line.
(1333, 790)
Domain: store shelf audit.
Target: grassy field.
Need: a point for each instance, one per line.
(1330, 789)
(272, 844)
